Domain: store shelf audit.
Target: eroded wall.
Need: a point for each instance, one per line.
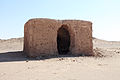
(82, 33)
(40, 36)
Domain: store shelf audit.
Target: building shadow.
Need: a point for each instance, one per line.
(12, 56)
(20, 56)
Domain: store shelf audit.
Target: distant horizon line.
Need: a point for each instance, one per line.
(23, 37)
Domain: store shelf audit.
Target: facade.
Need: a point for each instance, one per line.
(53, 37)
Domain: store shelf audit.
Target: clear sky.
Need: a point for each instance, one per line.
(104, 14)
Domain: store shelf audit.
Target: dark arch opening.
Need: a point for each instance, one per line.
(63, 41)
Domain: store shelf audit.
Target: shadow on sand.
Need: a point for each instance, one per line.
(12, 56)
(20, 56)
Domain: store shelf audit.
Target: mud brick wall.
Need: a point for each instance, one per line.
(40, 36)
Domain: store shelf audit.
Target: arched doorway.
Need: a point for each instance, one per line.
(63, 40)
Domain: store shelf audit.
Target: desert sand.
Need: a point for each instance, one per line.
(14, 65)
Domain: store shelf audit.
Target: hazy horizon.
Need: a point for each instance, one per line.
(104, 15)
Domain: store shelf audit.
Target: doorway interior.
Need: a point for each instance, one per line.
(63, 40)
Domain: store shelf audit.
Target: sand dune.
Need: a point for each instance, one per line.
(14, 65)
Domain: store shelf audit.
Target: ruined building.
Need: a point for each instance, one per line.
(54, 37)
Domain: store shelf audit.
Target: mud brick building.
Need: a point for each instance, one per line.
(53, 37)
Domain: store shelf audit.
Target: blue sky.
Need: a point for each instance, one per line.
(104, 14)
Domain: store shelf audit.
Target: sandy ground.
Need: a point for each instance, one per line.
(16, 66)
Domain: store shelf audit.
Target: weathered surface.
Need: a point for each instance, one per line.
(40, 36)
